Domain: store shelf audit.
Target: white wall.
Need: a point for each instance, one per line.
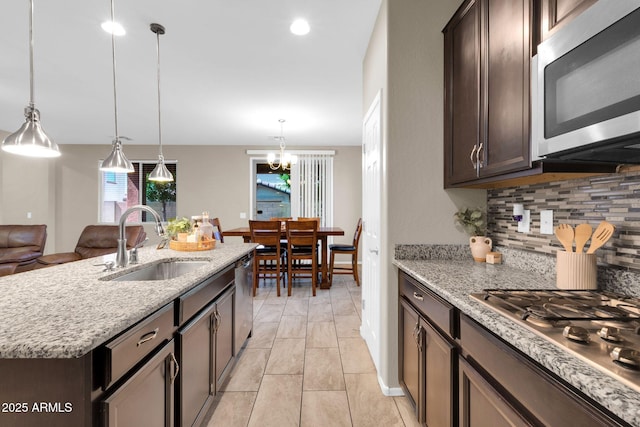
(63, 192)
(405, 59)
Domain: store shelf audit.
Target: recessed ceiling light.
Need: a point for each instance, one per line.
(113, 27)
(300, 27)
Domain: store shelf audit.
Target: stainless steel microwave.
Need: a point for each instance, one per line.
(586, 87)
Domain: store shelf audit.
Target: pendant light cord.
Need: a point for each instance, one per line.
(31, 90)
(113, 58)
(159, 121)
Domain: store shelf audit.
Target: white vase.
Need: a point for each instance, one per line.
(480, 247)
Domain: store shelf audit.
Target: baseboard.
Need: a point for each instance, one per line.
(389, 391)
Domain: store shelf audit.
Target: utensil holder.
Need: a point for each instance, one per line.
(576, 270)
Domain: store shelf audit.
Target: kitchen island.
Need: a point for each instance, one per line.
(454, 280)
(71, 338)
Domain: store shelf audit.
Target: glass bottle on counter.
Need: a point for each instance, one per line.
(206, 227)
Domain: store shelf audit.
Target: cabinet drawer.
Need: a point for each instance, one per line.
(126, 350)
(440, 312)
(197, 298)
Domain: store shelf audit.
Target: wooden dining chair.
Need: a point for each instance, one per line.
(217, 231)
(302, 239)
(268, 254)
(352, 250)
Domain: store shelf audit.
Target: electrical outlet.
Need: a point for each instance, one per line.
(243, 215)
(546, 221)
(28, 215)
(523, 225)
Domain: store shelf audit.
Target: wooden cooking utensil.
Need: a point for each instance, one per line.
(583, 232)
(600, 236)
(564, 233)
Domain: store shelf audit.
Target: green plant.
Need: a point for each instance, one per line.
(162, 192)
(178, 225)
(472, 221)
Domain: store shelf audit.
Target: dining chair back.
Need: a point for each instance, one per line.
(302, 239)
(268, 253)
(352, 250)
(217, 229)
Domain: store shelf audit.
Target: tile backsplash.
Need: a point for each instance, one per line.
(613, 197)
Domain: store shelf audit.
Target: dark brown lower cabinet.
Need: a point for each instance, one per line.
(427, 366)
(147, 397)
(205, 351)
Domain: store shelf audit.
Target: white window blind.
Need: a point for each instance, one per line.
(314, 198)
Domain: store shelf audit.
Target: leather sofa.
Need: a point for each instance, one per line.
(95, 240)
(20, 247)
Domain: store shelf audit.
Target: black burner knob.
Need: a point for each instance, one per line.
(609, 333)
(576, 333)
(626, 357)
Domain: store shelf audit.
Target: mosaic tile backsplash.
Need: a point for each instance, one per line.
(614, 198)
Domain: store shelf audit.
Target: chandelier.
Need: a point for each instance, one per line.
(286, 160)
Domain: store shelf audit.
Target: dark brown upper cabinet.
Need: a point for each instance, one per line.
(487, 79)
(554, 14)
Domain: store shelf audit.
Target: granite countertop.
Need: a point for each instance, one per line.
(67, 310)
(454, 280)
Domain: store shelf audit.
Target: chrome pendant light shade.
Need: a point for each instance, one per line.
(117, 161)
(31, 140)
(160, 173)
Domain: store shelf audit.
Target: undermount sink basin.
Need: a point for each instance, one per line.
(161, 271)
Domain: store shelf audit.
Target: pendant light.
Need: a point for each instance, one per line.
(31, 140)
(286, 160)
(160, 173)
(117, 161)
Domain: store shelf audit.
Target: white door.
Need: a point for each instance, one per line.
(371, 205)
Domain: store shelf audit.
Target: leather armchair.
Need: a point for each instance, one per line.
(20, 246)
(95, 240)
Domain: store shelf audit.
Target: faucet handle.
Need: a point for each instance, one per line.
(108, 265)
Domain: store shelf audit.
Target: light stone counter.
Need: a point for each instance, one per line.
(454, 280)
(66, 311)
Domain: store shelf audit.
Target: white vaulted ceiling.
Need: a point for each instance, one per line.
(229, 70)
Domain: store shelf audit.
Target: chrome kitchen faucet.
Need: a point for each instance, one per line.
(122, 257)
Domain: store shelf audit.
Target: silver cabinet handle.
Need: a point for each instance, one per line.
(473, 162)
(418, 296)
(480, 162)
(175, 363)
(148, 337)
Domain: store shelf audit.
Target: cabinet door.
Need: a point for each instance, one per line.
(223, 337)
(439, 378)
(481, 404)
(556, 13)
(195, 354)
(462, 94)
(146, 397)
(411, 357)
(505, 71)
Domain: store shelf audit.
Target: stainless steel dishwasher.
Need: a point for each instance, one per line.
(243, 302)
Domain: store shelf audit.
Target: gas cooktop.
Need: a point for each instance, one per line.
(602, 328)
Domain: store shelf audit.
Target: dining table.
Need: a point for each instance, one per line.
(323, 233)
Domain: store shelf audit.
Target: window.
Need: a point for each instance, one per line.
(120, 191)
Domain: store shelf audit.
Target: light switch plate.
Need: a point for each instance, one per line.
(243, 215)
(546, 221)
(523, 225)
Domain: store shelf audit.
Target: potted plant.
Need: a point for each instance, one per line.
(179, 228)
(473, 222)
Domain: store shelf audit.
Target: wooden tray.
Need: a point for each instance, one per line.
(204, 245)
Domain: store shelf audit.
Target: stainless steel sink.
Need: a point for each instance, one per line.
(161, 271)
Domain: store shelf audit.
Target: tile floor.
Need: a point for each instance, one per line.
(306, 365)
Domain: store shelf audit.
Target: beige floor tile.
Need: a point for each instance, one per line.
(355, 356)
(292, 327)
(287, 357)
(296, 307)
(347, 326)
(321, 334)
(320, 312)
(324, 409)
(323, 369)
(278, 402)
(369, 407)
(257, 305)
(406, 411)
(233, 409)
(262, 335)
(343, 307)
(270, 313)
(323, 296)
(248, 372)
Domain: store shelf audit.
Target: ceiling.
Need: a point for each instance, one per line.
(229, 70)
